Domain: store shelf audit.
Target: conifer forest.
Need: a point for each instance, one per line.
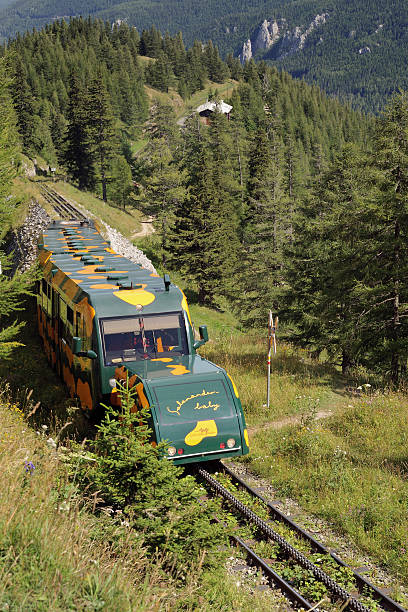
(294, 202)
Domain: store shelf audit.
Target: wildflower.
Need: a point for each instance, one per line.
(51, 443)
(44, 427)
(29, 467)
(367, 385)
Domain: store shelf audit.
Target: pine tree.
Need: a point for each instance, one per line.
(385, 292)
(189, 245)
(204, 241)
(77, 156)
(329, 260)
(12, 288)
(24, 105)
(120, 185)
(163, 185)
(101, 135)
(265, 230)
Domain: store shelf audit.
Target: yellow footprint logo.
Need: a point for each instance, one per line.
(203, 429)
(178, 370)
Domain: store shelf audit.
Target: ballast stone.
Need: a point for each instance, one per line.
(124, 247)
(23, 245)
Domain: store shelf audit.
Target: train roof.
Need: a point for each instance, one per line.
(81, 262)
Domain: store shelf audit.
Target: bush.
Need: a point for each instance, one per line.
(133, 475)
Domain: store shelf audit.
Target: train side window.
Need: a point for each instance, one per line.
(55, 304)
(78, 325)
(70, 315)
(63, 310)
(46, 296)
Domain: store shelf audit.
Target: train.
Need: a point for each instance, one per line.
(104, 319)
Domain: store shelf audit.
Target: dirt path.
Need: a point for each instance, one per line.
(147, 229)
(328, 407)
(292, 420)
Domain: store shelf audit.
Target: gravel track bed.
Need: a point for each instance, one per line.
(23, 245)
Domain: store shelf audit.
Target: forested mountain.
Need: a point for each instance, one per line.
(293, 202)
(358, 50)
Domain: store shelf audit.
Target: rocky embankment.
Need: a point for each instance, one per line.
(124, 247)
(22, 245)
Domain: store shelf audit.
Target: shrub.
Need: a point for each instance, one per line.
(155, 498)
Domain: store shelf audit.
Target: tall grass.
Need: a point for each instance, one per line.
(55, 554)
(350, 469)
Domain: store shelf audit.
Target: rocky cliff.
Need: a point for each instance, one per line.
(276, 35)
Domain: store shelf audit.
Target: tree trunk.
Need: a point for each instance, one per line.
(395, 356)
(346, 362)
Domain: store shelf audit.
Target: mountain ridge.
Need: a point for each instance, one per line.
(356, 50)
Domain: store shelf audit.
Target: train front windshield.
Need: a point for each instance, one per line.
(143, 337)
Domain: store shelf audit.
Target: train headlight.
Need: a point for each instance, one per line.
(171, 451)
(231, 443)
(112, 382)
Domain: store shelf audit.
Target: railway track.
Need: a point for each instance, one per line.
(61, 206)
(346, 588)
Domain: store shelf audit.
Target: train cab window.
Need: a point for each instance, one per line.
(147, 337)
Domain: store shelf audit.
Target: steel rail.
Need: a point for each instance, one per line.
(292, 593)
(64, 208)
(386, 602)
(299, 557)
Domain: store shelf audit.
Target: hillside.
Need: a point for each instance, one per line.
(355, 49)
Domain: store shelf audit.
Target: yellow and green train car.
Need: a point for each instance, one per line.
(103, 319)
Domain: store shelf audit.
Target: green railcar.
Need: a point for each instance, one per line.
(104, 319)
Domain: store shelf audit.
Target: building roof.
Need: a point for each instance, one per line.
(210, 105)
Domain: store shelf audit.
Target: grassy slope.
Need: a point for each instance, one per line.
(182, 107)
(349, 468)
(56, 555)
(127, 222)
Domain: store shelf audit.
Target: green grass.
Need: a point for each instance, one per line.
(182, 107)
(223, 90)
(127, 222)
(297, 382)
(139, 145)
(57, 555)
(350, 468)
